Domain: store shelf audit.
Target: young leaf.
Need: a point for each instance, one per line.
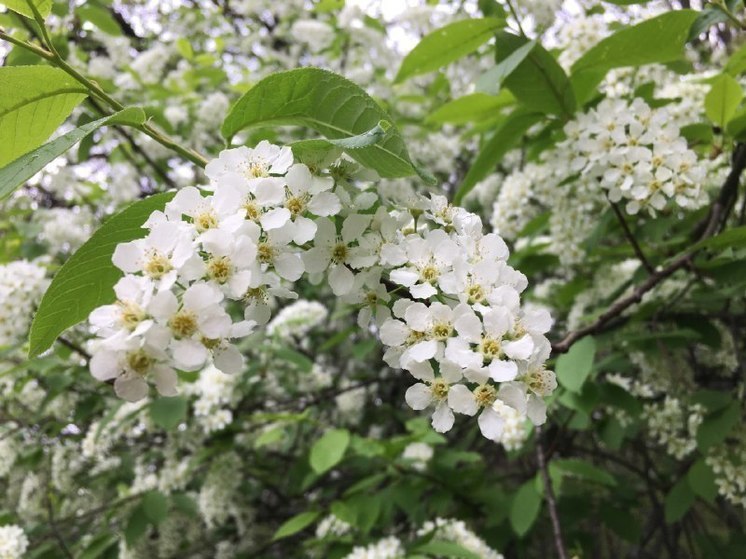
(19, 171)
(537, 81)
(34, 101)
(87, 279)
(492, 80)
(329, 450)
(475, 107)
(327, 103)
(574, 366)
(525, 507)
(168, 412)
(449, 43)
(507, 135)
(295, 524)
(656, 40)
(723, 99)
(22, 7)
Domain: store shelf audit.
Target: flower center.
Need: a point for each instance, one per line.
(429, 273)
(257, 294)
(219, 269)
(485, 395)
(183, 324)
(157, 265)
(296, 205)
(139, 361)
(490, 348)
(265, 253)
(474, 294)
(339, 253)
(440, 389)
(256, 169)
(210, 343)
(205, 220)
(442, 331)
(541, 381)
(415, 337)
(130, 314)
(253, 211)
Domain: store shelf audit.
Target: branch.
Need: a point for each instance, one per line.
(631, 238)
(709, 226)
(559, 542)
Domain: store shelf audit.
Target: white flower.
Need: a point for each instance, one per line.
(435, 393)
(13, 542)
(262, 161)
(429, 258)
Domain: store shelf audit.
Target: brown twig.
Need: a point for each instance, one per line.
(631, 238)
(559, 542)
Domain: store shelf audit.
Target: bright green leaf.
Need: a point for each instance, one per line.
(155, 506)
(656, 40)
(329, 450)
(295, 524)
(168, 412)
(449, 43)
(19, 171)
(22, 7)
(507, 135)
(87, 279)
(327, 103)
(538, 81)
(574, 366)
(34, 101)
(492, 80)
(100, 17)
(525, 507)
(723, 99)
(475, 107)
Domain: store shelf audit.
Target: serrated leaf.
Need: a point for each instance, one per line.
(656, 40)
(525, 507)
(87, 279)
(34, 101)
(295, 524)
(507, 135)
(446, 44)
(538, 81)
(492, 80)
(22, 7)
(723, 99)
(574, 366)
(155, 506)
(329, 450)
(328, 103)
(19, 171)
(168, 412)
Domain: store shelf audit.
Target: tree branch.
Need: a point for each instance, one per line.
(631, 238)
(559, 542)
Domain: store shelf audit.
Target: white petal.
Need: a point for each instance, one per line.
(131, 388)
(419, 396)
(341, 279)
(536, 410)
(127, 257)
(105, 365)
(461, 400)
(503, 371)
(305, 230)
(189, 355)
(289, 266)
(228, 359)
(393, 333)
(274, 219)
(519, 349)
(325, 203)
(491, 424)
(442, 418)
(353, 227)
(421, 351)
(165, 380)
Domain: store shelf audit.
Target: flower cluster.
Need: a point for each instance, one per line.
(22, 284)
(297, 319)
(267, 222)
(456, 531)
(13, 542)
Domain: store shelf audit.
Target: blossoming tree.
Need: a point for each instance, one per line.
(373, 279)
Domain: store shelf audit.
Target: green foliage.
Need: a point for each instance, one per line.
(492, 80)
(155, 506)
(537, 80)
(34, 101)
(475, 107)
(524, 510)
(574, 366)
(656, 40)
(21, 6)
(328, 103)
(87, 279)
(717, 425)
(445, 549)
(678, 501)
(168, 412)
(723, 99)
(16, 173)
(295, 524)
(447, 44)
(329, 450)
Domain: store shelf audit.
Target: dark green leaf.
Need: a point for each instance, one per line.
(155, 506)
(716, 426)
(492, 80)
(678, 501)
(168, 412)
(574, 366)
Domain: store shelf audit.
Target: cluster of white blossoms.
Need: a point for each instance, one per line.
(13, 542)
(729, 467)
(457, 326)
(297, 319)
(456, 531)
(387, 548)
(22, 284)
(674, 425)
(418, 455)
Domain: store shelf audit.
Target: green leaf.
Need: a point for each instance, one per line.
(327, 103)
(296, 358)
(22, 7)
(701, 479)
(492, 80)
(656, 40)
(584, 470)
(168, 412)
(678, 501)
(475, 107)
(723, 99)
(87, 279)
(446, 44)
(735, 238)
(716, 426)
(19, 171)
(441, 548)
(329, 450)
(525, 507)
(100, 17)
(34, 101)
(507, 135)
(538, 81)
(737, 62)
(98, 546)
(295, 524)
(155, 506)
(366, 139)
(574, 366)
(136, 526)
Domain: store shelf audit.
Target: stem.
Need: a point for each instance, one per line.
(515, 17)
(720, 5)
(559, 542)
(631, 238)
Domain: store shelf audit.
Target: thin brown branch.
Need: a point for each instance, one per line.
(559, 542)
(631, 238)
